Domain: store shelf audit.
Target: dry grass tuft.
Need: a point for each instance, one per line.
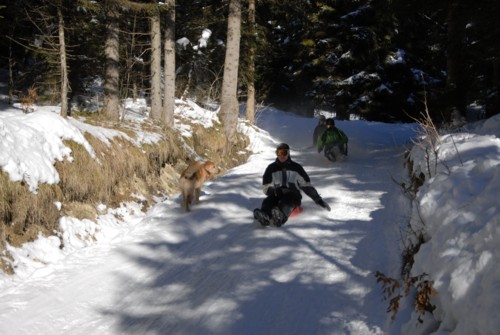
(79, 210)
(21, 211)
(394, 290)
(24, 215)
(122, 169)
(83, 179)
(210, 143)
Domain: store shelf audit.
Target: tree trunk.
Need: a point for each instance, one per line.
(169, 85)
(229, 101)
(155, 66)
(11, 74)
(250, 110)
(63, 64)
(131, 80)
(111, 51)
(455, 64)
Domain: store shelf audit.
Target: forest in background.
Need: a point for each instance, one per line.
(373, 59)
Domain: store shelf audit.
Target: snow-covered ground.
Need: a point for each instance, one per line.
(215, 271)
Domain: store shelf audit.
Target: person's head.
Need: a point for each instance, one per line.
(330, 123)
(283, 152)
(322, 119)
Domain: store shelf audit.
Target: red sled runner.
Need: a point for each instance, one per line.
(296, 211)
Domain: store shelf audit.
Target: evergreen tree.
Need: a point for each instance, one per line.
(200, 31)
(169, 65)
(112, 54)
(250, 68)
(286, 65)
(229, 109)
(378, 59)
(483, 50)
(156, 104)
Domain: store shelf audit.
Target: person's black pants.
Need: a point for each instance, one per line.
(331, 151)
(286, 202)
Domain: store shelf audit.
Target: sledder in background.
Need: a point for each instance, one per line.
(319, 129)
(282, 182)
(333, 141)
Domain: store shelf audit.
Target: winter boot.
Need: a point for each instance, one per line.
(262, 217)
(330, 154)
(338, 151)
(279, 217)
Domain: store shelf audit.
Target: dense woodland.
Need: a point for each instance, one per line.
(375, 59)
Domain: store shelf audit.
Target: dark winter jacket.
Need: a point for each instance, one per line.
(320, 128)
(288, 176)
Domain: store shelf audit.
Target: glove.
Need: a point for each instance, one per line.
(320, 202)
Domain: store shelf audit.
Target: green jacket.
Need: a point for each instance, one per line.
(333, 136)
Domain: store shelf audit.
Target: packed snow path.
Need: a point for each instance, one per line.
(215, 271)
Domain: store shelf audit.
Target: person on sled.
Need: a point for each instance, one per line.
(334, 141)
(319, 129)
(282, 183)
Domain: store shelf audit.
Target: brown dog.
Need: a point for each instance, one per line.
(192, 179)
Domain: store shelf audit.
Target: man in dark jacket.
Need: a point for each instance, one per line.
(319, 129)
(282, 182)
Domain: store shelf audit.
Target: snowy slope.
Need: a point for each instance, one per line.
(215, 271)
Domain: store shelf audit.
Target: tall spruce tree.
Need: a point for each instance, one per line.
(377, 59)
(63, 65)
(169, 64)
(156, 103)
(229, 109)
(250, 69)
(112, 52)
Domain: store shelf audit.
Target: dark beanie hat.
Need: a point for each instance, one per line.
(330, 122)
(283, 146)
